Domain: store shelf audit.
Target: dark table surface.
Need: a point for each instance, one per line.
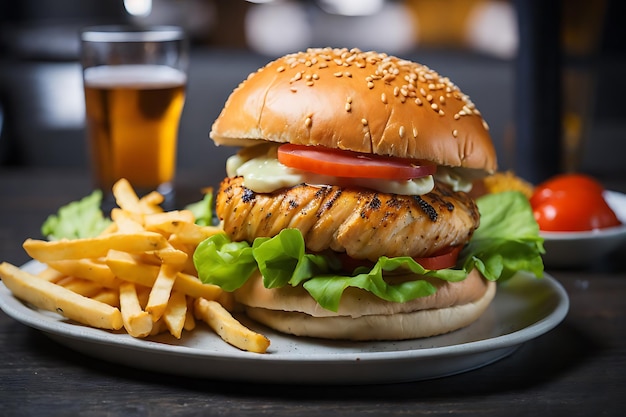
(577, 369)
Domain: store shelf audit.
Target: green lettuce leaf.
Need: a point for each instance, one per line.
(78, 219)
(506, 241)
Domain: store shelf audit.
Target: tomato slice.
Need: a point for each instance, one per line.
(340, 163)
(571, 203)
(442, 260)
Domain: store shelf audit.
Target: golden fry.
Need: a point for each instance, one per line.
(88, 269)
(51, 274)
(108, 296)
(126, 221)
(125, 196)
(190, 320)
(161, 291)
(97, 247)
(186, 232)
(152, 221)
(52, 297)
(228, 328)
(80, 286)
(176, 313)
(138, 323)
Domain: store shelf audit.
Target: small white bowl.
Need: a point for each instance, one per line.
(575, 249)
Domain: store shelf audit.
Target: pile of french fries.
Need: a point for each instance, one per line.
(138, 275)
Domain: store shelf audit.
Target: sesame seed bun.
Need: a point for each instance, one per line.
(358, 101)
(362, 316)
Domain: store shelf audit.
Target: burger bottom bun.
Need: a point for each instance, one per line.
(382, 320)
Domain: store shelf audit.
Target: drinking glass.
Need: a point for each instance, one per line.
(134, 82)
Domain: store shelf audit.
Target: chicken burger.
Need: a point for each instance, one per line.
(346, 211)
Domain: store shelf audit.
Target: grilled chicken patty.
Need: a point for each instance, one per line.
(364, 224)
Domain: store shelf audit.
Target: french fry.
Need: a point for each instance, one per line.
(150, 203)
(190, 320)
(51, 274)
(89, 269)
(229, 328)
(52, 297)
(137, 322)
(126, 197)
(108, 296)
(97, 247)
(80, 286)
(153, 220)
(186, 232)
(176, 313)
(128, 269)
(126, 221)
(161, 291)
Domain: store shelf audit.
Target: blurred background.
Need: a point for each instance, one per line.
(546, 75)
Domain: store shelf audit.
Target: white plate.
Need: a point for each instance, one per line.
(524, 308)
(571, 249)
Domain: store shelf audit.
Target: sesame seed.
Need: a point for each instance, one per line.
(485, 125)
(383, 98)
(315, 77)
(364, 121)
(310, 83)
(338, 74)
(396, 91)
(441, 113)
(455, 133)
(323, 65)
(442, 99)
(294, 89)
(370, 85)
(348, 107)
(308, 122)
(348, 74)
(402, 131)
(418, 101)
(434, 106)
(429, 98)
(349, 99)
(457, 116)
(414, 132)
(280, 69)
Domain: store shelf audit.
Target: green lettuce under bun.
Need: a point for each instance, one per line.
(507, 241)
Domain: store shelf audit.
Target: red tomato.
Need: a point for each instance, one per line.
(443, 260)
(447, 259)
(571, 202)
(348, 164)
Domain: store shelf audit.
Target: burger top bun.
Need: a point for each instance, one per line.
(359, 101)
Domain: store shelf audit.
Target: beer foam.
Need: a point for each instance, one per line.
(143, 76)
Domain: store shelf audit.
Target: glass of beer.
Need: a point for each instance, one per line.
(134, 81)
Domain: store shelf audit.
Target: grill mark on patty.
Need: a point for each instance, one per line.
(426, 208)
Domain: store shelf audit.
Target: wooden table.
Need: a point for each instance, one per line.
(577, 369)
